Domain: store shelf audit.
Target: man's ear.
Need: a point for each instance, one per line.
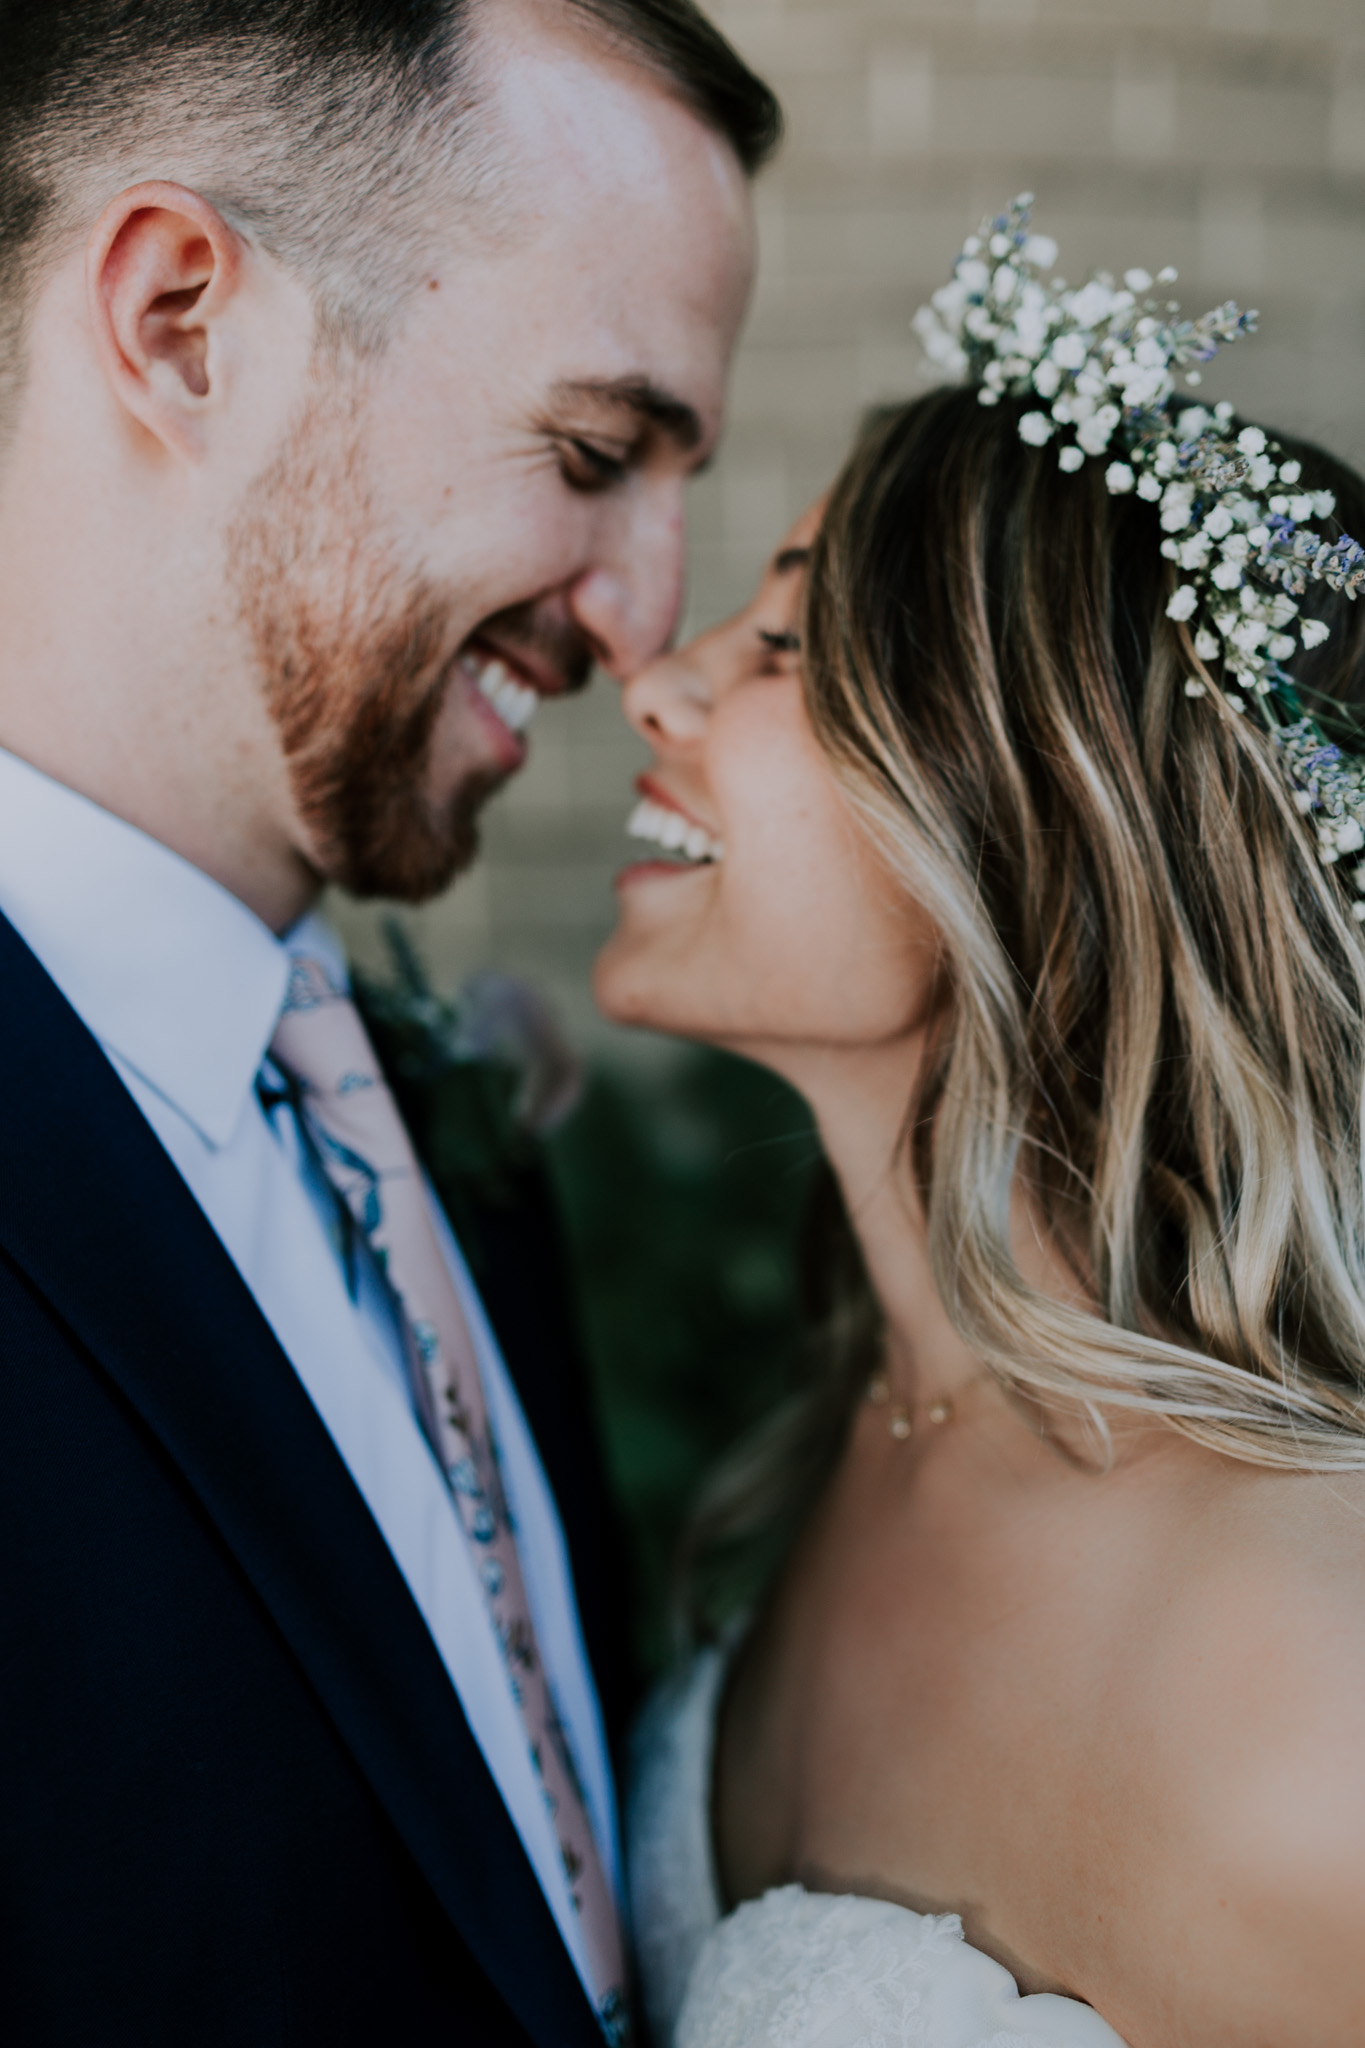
(161, 266)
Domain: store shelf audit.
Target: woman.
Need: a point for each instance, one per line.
(991, 850)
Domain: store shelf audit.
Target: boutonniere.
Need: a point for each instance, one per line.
(481, 1076)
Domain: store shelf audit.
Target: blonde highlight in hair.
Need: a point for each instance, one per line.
(1158, 992)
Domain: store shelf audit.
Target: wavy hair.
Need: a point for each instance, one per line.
(1156, 1021)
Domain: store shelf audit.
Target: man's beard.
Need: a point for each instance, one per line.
(356, 659)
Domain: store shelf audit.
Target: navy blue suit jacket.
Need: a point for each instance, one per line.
(239, 1803)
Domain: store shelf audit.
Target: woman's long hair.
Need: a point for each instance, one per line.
(1157, 1015)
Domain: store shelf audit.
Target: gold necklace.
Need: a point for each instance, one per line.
(900, 1419)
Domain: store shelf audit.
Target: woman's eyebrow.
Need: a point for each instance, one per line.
(790, 559)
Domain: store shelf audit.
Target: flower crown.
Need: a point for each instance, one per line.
(1102, 359)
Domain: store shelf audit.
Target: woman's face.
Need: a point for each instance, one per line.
(772, 927)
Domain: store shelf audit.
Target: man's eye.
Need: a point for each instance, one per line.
(590, 468)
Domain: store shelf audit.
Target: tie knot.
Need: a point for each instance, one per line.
(319, 1038)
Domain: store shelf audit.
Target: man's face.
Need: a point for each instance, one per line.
(465, 526)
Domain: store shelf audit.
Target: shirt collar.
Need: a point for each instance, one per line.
(166, 967)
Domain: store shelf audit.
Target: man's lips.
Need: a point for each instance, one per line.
(523, 664)
(504, 699)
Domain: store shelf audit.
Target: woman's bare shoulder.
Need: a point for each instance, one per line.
(1253, 1703)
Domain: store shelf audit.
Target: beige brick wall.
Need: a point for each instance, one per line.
(1224, 136)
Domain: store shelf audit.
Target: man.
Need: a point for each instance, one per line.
(353, 361)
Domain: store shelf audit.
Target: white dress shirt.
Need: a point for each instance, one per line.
(182, 985)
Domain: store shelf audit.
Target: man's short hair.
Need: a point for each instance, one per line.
(316, 127)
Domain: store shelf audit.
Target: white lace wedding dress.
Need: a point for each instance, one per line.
(797, 1969)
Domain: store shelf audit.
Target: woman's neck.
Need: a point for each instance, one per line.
(861, 1103)
(861, 1100)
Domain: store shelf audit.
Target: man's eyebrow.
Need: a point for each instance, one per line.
(790, 559)
(673, 416)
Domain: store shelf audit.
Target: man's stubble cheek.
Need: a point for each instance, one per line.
(355, 662)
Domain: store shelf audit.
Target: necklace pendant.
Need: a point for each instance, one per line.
(901, 1425)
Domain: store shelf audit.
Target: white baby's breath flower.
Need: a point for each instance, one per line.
(1251, 441)
(1247, 635)
(1290, 472)
(1194, 552)
(1119, 477)
(1218, 522)
(1324, 503)
(1194, 688)
(1280, 647)
(1261, 471)
(1095, 433)
(1177, 501)
(1227, 575)
(1037, 429)
(1092, 303)
(1183, 603)
(1040, 251)
(1047, 378)
(1146, 387)
(973, 275)
(1313, 632)
(1138, 280)
(1070, 458)
(1206, 645)
(1149, 487)
(1301, 507)
(1069, 351)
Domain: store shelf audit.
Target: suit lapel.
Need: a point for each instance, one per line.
(92, 1209)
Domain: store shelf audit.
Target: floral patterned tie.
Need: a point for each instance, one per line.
(353, 1125)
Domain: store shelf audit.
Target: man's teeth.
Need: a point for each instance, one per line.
(515, 704)
(671, 830)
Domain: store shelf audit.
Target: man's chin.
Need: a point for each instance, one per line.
(406, 856)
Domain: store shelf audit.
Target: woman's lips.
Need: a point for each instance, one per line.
(661, 820)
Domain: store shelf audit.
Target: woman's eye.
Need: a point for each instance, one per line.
(590, 468)
(779, 643)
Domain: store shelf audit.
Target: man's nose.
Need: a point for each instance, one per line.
(629, 600)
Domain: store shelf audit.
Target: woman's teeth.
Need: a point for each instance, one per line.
(671, 830)
(515, 704)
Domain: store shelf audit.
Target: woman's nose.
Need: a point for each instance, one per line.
(668, 701)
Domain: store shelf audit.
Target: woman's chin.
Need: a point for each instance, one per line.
(629, 989)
